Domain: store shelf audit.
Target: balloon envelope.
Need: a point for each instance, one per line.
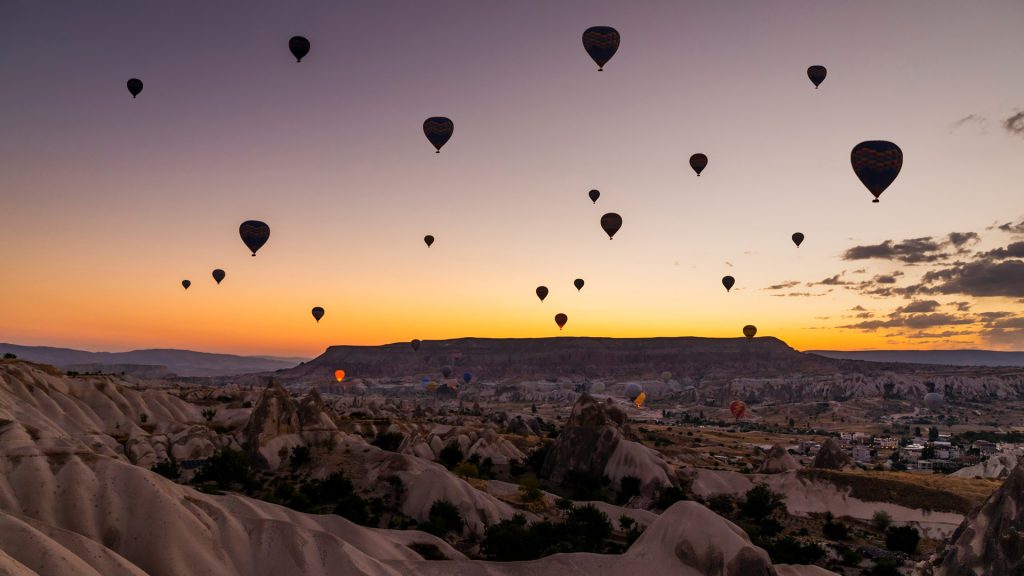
(738, 408)
(438, 130)
(255, 234)
(798, 239)
(446, 371)
(639, 400)
(633, 390)
(466, 377)
(817, 75)
(134, 86)
(749, 330)
(561, 319)
(318, 313)
(876, 163)
(594, 195)
(415, 345)
(299, 47)
(666, 376)
(542, 292)
(611, 222)
(339, 375)
(728, 282)
(186, 283)
(698, 162)
(934, 401)
(218, 275)
(601, 42)
(428, 239)
(578, 283)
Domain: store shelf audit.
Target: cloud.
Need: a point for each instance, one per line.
(1014, 250)
(910, 251)
(859, 308)
(915, 321)
(885, 278)
(960, 239)
(1015, 124)
(831, 281)
(1012, 227)
(943, 334)
(918, 306)
(961, 306)
(784, 285)
(969, 119)
(981, 278)
(865, 315)
(1006, 331)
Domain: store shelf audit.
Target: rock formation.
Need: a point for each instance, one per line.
(832, 457)
(778, 460)
(278, 423)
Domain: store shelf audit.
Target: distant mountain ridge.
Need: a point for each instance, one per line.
(938, 357)
(157, 362)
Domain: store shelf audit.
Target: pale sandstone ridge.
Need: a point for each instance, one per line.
(595, 441)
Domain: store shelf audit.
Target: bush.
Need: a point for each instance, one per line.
(226, 468)
(167, 469)
(467, 470)
(585, 530)
(209, 413)
(143, 418)
(529, 488)
(300, 457)
(585, 486)
(884, 567)
(760, 502)
(444, 518)
(881, 520)
(835, 530)
(902, 539)
(789, 550)
(9, 356)
(668, 496)
(629, 486)
(451, 455)
(535, 459)
(722, 504)
(391, 441)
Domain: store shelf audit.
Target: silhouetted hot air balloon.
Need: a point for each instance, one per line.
(611, 222)
(466, 377)
(594, 195)
(299, 47)
(728, 282)
(934, 401)
(601, 42)
(255, 234)
(446, 371)
(738, 408)
(561, 319)
(218, 275)
(640, 399)
(698, 162)
(578, 283)
(817, 75)
(318, 313)
(428, 239)
(633, 390)
(186, 283)
(749, 331)
(542, 292)
(438, 130)
(876, 163)
(339, 375)
(415, 345)
(798, 239)
(134, 86)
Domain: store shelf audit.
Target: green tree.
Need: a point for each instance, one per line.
(629, 486)
(902, 539)
(451, 455)
(300, 456)
(881, 520)
(209, 413)
(760, 502)
(933, 434)
(167, 469)
(390, 441)
(529, 488)
(444, 518)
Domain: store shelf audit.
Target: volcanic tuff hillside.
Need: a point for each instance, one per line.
(538, 358)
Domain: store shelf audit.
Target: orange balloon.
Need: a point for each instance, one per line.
(339, 374)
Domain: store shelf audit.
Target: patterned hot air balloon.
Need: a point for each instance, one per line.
(640, 399)
(633, 390)
(817, 75)
(318, 313)
(561, 319)
(299, 47)
(542, 292)
(698, 162)
(738, 408)
(798, 238)
(438, 130)
(876, 163)
(218, 275)
(594, 195)
(255, 234)
(749, 331)
(611, 222)
(134, 86)
(339, 375)
(601, 42)
(428, 239)
(186, 283)
(415, 345)
(934, 401)
(578, 283)
(728, 282)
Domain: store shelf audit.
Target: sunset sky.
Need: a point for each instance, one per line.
(109, 202)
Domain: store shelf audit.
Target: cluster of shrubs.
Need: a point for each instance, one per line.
(584, 529)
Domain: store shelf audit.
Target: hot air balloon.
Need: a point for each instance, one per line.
(639, 400)
(428, 239)
(415, 345)
(817, 75)
(728, 282)
(738, 408)
(218, 275)
(424, 382)
(749, 331)
(876, 163)
(299, 47)
(594, 195)
(542, 292)
(561, 319)
(466, 377)
(611, 222)
(934, 401)
(798, 239)
(698, 162)
(578, 283)
(666, 376)
(186, 283)
(601, 42)
(318, 313)
(446, 371)
(438, 130)
(633, 390)
(134, 86)
(431, 386)
(339, 375)
(255, 234)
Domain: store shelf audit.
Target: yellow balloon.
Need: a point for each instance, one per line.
(639, 401)
(339, 374)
